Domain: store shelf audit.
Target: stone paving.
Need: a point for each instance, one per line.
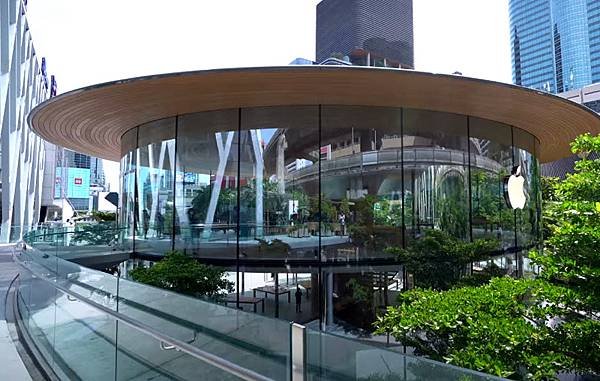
(11, 365)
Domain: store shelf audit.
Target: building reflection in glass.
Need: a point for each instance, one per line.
(312, 198)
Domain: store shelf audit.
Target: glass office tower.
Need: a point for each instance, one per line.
(594, 34)
(532, 44)
(367, 33)
(555, 43)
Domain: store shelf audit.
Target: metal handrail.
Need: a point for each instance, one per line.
(182, 346)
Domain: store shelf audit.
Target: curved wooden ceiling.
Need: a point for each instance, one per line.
(93, 119)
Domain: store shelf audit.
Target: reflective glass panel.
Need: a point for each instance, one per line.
(206, 184)
(155, 172)
(436, 172)
(491, 165)
(361, 209)
(436, 182)
(526, 216)
(127, 196)
(279, 182)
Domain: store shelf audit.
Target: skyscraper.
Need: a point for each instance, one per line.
(77, 173)
(555, 43)
(366, 32)
(23, 84)
(594, 34)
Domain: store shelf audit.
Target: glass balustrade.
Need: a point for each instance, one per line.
(91, 325)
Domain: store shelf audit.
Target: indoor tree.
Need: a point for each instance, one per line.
(183, 274)
(439, 260)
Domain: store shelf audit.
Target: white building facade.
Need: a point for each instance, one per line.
(23, 84)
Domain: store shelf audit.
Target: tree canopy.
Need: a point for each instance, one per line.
(523, 328)
(571, 254)
(438, 260)
(181, 273)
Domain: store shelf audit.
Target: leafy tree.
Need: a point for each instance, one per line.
(438, 260)
(499, 328)
(274, 204)
(225, 205)
(181, 273)
(338, 55)
(452, 206)
(328, 210)
(95, 234)
(526, 328)
(274, 247)
(365, 210)
(571, 254)
(304, 203)
(378, 223)
(345, 207)
(388, 213)
(549, 184)
(355, 303)
(549, 216)
(104, 216)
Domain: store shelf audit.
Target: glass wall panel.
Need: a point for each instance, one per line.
(526, 217)
(129, 141)
(436, 172)
(155, 172)
(538, 190)
(361, 182)
(300, 207)
(127, 201)
(361, 208)
(279, 182)
(491, 164)
(206, 205)
(279, 220)
(436, 178)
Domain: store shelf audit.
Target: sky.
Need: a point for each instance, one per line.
(86, 42)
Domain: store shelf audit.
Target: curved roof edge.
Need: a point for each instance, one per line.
(93, 119)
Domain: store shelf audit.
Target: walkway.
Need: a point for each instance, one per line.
(11, 365)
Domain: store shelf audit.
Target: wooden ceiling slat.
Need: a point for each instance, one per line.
(93, 119)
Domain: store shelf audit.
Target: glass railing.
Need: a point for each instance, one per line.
(87, 324)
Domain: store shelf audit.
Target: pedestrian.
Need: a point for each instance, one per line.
(160, 224)
(145, 222)
(342, 221)
(298, 299)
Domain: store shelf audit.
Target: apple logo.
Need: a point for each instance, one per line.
(515, 189)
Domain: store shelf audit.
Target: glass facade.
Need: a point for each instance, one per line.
(316, 195)
(571, 24)
(368, 33)
(594, 35)
(532, 44)
(555, 43)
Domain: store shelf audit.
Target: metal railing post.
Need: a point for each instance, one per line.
(298, 355)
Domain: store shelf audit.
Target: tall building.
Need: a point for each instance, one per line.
(588, 96)
(365, 32)
(23, 84)
(555, 43)
(77, 176)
